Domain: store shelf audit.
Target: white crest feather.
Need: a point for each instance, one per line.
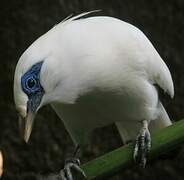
(70, 18)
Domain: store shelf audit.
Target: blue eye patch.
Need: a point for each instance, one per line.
(30, 81)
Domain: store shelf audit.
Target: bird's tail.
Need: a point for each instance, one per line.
(128, 131)
(162, 120)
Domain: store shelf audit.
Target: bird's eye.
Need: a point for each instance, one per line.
(31, 83)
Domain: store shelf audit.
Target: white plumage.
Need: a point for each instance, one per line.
(96, 71)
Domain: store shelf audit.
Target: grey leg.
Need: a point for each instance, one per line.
(71, 163)
(142, 145)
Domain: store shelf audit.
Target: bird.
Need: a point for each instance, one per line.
(94, 71)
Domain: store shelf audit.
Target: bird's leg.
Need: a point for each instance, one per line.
(71, 163)
(142, 144)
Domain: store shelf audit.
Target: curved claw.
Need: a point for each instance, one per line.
(66, 173)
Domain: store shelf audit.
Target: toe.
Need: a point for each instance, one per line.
(77, 168)
(62, 175)
(136, 149)
(143, 162)
(68, 173)
(142, 141)
(148, 142)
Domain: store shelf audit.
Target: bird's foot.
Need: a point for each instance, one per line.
(70, 164)
(142, 145)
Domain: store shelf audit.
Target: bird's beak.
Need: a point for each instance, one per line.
(26, 125)
(27, 115)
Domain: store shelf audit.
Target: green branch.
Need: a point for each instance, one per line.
(110, 163)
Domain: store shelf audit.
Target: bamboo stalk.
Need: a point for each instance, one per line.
(162, 141)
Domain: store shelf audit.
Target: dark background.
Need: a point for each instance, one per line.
(22, 22)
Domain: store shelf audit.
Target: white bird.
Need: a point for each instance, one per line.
(94, 71)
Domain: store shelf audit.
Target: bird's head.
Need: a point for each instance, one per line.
(34, 83)
(44, 75)
(41, 78)
(28, 94)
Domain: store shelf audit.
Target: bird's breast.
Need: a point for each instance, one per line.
(99, 108)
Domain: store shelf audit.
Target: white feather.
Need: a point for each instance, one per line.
(97, 71)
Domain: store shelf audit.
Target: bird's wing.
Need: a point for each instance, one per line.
(159, 74)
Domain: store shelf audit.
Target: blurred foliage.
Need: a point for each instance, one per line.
(22, 22)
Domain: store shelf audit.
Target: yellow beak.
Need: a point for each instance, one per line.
(26, 125)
